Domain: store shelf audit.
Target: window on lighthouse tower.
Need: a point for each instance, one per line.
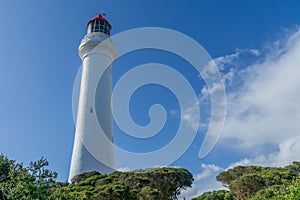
(99, 26)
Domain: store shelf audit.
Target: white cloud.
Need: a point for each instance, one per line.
(288, 151)
(124, 169)
(223, 62)
(204, 181)
(267, 105)
(254, 52)
(190, 115)
(208, 170)
(265, 110)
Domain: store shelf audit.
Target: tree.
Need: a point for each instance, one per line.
(157, 183)
(44, 178)
(258, 183)
(80, 177)
(235, 173)
(287, 191)
(19, 182)
(215, 195)
(246, 186)
(36, 182)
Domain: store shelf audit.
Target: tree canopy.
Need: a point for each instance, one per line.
(19, 182)
(36, 182)
(156, 183)
(215, 195)
(258, 183)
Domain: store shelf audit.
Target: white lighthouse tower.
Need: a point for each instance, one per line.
(94, 115)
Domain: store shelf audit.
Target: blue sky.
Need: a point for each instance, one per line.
(254, 44)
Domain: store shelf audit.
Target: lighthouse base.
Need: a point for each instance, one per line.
(86, 162)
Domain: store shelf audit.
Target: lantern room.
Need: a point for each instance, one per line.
(99, 24)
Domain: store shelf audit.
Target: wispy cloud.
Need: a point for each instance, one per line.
(208, 171)
(124, 169)
(204, 181)
(263, 109)
(288, 151)
(189, 115)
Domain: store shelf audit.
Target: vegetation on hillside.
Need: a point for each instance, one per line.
(158, 183)
(35, 182)
(258, 183)
(31, 183)
(215, 195)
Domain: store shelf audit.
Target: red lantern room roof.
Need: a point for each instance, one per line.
(100, 18)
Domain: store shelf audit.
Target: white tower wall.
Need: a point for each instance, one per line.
(95, 55)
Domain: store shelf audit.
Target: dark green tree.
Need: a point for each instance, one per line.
(258, 183)
(157, 183)
(19, 182)
(216, 195)
(36, 182)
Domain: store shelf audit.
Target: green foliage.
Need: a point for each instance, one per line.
(245, 182)
(18, 182)
(80, 177)
(44, 178)
(35, 182)
(286, 191)
(148, 193)
(216, 195)
(246, 186)
(235, 173)
(259, 183)
(158, 183)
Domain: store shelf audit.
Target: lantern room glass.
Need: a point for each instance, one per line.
(99, 26)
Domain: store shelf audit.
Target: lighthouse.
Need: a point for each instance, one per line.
(94, 115)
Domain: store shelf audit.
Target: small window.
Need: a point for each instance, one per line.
(99, 26)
